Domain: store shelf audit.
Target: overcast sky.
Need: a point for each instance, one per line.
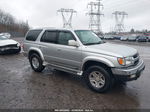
(43, 13)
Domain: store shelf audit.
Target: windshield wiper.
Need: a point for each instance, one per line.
(92, 43)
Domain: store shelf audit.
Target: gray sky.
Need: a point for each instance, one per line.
(42, 13)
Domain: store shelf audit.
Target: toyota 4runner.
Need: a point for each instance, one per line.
(82, 52)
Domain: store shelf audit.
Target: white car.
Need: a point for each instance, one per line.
(8, 45)
(124, 38)
(108, 37)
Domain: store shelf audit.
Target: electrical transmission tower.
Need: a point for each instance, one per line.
(95, 16)
(67, 22)
(119, 16)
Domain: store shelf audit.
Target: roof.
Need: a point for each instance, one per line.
(51, 28)
(55, 28)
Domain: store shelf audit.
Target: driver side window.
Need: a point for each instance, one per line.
(64, 37)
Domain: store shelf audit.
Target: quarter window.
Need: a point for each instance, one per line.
(33, 35)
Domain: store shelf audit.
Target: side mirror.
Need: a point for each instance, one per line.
(73, 43)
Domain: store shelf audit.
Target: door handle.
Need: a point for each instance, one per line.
(58, 49)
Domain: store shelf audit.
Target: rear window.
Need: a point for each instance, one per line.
(33, 35)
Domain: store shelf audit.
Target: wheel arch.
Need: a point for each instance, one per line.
(97, 61)
(37, 51)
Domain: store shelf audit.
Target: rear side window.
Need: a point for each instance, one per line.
(33, 35)
(49, 37)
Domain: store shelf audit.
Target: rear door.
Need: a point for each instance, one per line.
(48, 46)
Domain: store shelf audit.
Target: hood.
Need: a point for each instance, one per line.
(112, 49)
(7, 42)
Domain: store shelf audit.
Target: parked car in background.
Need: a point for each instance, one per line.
(142, 39)
(124, 38)
(101, 37)
(117, 37)
(108, 37)
(148, 38)
(8, 45)
(132, 38)
(8, 35)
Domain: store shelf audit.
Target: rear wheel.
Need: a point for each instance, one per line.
(98, 79)
(36, 63)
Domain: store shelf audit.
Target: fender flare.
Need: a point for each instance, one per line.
(36, 50)
(97, 59)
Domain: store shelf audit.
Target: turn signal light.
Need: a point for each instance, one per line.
(121, 61)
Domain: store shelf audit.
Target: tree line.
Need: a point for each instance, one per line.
(8, 23)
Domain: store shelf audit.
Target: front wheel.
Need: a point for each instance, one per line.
(98, 79)
(36, 63)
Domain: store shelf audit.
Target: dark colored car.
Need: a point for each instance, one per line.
(102, 37)
(142, 39)
(148, 38)
(117, 37)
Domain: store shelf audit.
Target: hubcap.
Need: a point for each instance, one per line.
(97, 79)
(35, 62)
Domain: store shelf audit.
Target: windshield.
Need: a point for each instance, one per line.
(88, 37)
(3, 38)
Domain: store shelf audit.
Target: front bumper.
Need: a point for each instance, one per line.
(130, 73)
(7, 50)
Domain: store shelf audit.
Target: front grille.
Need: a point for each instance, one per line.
(136, 55)
(12, 45)
(136, 62)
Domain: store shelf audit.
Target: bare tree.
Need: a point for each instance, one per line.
(9, 23)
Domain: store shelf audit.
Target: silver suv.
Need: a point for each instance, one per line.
(83, 53)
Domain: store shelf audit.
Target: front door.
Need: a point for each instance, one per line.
(68, 56)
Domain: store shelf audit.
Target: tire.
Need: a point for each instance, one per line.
(103, 83)
(36, 63)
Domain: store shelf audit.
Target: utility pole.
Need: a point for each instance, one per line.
(95, 16)
(119, 17)
(67, 23)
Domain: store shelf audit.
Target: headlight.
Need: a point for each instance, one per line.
(18, 44)
(126, 61)
(129, 61)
